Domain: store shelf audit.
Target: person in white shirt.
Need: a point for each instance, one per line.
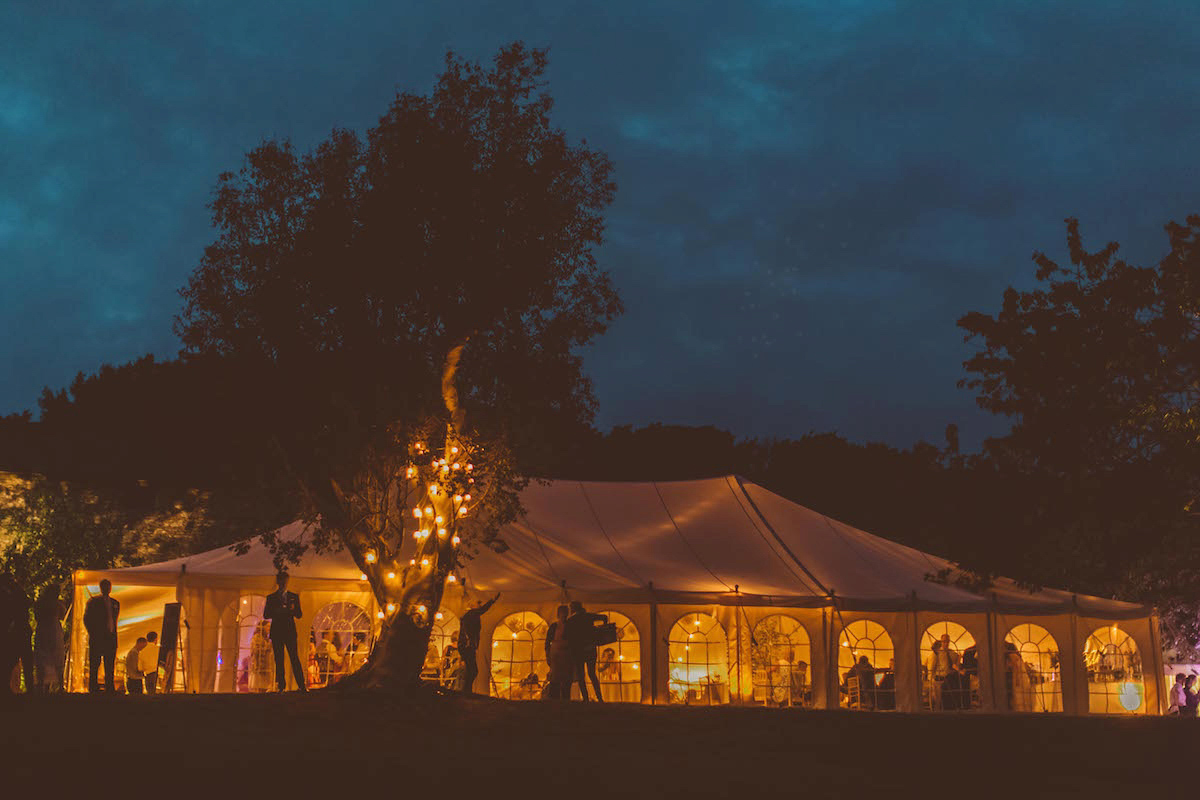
(133, 671)
(1178, 695)
(148, 662)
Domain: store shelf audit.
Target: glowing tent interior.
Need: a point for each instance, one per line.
(723, 593)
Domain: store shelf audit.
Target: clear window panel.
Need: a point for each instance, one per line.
(867, 663)
(518, 658)
(949, 668)
(1032, 672)
(1114, 670)
(340, 642)
(699, 661)
(780, 654)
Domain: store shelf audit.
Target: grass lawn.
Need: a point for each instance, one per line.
(358, 745)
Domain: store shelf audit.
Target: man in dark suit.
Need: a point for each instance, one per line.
(283, 609)
(100, 620)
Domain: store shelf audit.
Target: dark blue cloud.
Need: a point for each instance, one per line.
(810, 193)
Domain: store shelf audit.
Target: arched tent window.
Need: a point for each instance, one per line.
(699, 656)
(780, 655)
(342, 635)
(869, 684)
(519, 667)
(949, 647)
(442, 664)
(619, 664)
(1032, 676)
(245, 662)
(1114, 669)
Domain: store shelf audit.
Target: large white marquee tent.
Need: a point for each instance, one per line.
(723, 592)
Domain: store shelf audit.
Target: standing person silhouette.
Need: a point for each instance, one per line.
(468, 642)
(283, 609)
(581, 639)
(100, 620)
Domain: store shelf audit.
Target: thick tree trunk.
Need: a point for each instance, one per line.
(410, 589)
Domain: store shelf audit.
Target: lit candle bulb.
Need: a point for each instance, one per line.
(442, 532)
(424, 562)
(438, 519)
(451, 578)
(379, 615)
(412, 562)
(391, 607)
(417, 513)
(429, 509)
(455, 541)
(421, 609)
(438, 615)
(391, 576)
(454, 450)
(361, 577)
(370, 558)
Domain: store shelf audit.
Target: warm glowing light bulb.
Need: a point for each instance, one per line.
(391, 576)
(462, 512)
(429, 509)
(635, 666)
(438, 615)
(456, 465)
(370, 558)
(379, 615)
(424, 562)
(454, 451)
(433, 488)
(697, 622)
(458, 498)
(470, 467)
(442, 532)
(438, 519)
(620, 658)
(514, 634)
(467, 497)
(455, 541)
(679, 658)
(452, 578)
(361, 577)
(244, 600)
(391, 607)
(417, 513)
(495, 644)
(421, 609)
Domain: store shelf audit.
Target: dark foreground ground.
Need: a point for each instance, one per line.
(368, 745)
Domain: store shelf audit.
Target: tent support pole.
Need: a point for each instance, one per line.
(1160, 686)
(737, 628)
(916, 657)
(653, 646)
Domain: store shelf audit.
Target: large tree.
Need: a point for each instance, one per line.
(1099, 368)
(390, 284)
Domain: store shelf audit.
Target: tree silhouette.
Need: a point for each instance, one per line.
(1099, 368)
(443, 264)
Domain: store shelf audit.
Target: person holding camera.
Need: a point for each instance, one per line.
(581, 641)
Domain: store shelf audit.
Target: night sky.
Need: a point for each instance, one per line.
(810, 193)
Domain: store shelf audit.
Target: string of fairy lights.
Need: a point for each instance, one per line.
(447, 485)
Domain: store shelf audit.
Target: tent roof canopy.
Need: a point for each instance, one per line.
(717, 540)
